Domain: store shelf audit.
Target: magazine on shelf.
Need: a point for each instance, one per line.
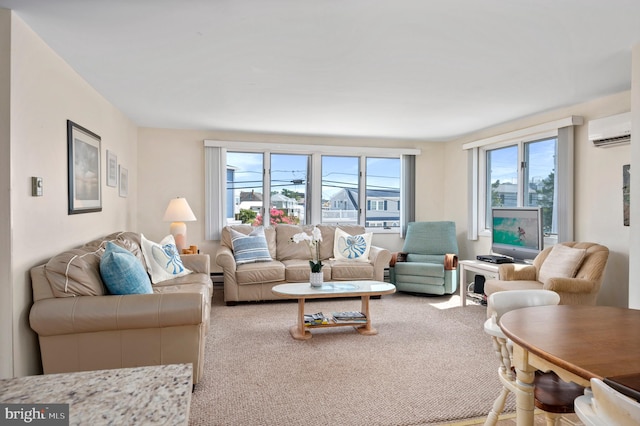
(349, 316)
(315, 319)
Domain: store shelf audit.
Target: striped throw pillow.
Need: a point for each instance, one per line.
(250, 248)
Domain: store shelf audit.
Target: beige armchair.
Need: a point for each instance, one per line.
(576, 275)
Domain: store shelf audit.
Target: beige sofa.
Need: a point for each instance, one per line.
(81, 327)
(290, 262)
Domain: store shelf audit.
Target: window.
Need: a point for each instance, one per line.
(383, 193)
(376, 205)
(522, 175)
(340, 190)
(244, 186)
(289, 180)
(540, 175)
(528, 167)
(306, 184)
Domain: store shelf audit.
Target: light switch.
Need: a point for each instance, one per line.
(36, 186)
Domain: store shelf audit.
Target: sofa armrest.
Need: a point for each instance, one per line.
(509, 272)
(225, 259)
(86, 314)
(570, 285)
(199, 263)
(379, 257)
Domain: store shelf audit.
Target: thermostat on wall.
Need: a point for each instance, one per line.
(36, 186)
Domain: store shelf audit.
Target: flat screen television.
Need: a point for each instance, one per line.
(517, 232)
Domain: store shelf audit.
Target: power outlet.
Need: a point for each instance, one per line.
(36, 186)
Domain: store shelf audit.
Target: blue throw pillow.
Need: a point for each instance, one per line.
(250, 248)
(122, 272)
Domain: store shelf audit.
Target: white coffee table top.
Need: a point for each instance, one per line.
(333, 289)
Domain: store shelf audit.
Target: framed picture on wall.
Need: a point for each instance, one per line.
(112, 169)
(124, 182)
(84, 172)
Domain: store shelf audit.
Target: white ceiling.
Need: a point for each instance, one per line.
(414, 69)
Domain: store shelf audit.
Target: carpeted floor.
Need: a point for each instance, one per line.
(430, 363)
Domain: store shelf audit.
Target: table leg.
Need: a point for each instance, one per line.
(463, 285)
(525, 375)
(367, 328)
(298, 331)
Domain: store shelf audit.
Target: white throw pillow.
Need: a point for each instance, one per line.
(352, 247)
(162, 259)
(562, 262)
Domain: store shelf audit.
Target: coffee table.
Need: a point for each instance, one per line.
(303, 291)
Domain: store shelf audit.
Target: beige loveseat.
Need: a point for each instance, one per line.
(81, 327)
(290, 262)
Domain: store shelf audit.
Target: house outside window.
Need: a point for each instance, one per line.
(305, 185)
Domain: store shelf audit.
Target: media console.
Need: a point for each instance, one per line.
(488, 269)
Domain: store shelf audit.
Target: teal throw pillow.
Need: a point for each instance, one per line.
(250, 248)
(122, 272)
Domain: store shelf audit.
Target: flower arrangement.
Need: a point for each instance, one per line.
(313, 241)
(276, 216)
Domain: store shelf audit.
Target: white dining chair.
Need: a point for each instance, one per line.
(604, 406)
(552, 395)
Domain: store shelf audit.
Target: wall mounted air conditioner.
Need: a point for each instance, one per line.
(610, 131)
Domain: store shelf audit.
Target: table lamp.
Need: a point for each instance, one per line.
(178, 212)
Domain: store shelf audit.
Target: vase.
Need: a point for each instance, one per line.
(316, 279)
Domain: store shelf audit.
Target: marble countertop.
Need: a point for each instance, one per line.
(132, 396)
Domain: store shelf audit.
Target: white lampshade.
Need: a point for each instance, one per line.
(178, 210)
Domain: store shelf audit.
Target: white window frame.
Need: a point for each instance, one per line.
(216, 203)
(482, 166)
(563, 130)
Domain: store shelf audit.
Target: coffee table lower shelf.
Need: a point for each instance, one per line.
(361, 327)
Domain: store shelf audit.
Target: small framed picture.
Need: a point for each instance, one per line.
(112, 169)
(84, 173)
(124, 182)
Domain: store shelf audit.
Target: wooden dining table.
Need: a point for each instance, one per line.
(577, 342)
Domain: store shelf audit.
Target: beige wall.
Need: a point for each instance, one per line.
(45, 92)
(598, 191)
(173, 165)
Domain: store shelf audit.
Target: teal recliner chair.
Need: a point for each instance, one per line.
(428, 262)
